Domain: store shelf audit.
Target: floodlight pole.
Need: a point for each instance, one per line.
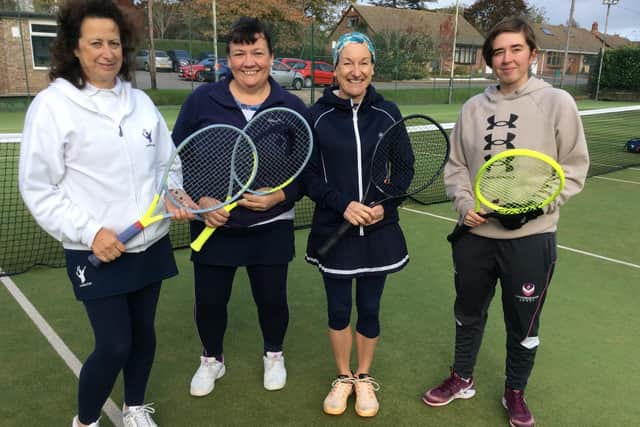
(215, 40)
(453, 54)
(608, 3)
(566, 46)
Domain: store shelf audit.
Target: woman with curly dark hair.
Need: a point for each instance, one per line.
(92, 153)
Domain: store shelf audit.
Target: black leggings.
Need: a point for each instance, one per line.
(125, 340)
(212, 292)
(339, 302)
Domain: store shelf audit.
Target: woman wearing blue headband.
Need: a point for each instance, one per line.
(348, 120)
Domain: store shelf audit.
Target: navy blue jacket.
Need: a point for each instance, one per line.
(213, 104)
(334, 177)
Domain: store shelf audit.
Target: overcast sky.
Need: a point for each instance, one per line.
(624, 18)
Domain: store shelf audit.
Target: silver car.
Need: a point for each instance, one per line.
(163, 61)
(286, 76)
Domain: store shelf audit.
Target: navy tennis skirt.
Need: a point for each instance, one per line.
(129, 273)
(267, 244)
(381, 251)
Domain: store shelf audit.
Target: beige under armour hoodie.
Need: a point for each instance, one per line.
(536, 116)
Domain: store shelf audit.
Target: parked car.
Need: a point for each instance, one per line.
(286, 76)
(290, 61)
(163, 62)
(195, 71)
(322, 72)
(223, 71)
(179, 58)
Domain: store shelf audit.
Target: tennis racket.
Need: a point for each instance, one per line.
(210, 169)
(408, 158)
(283, 141)
(516, 182)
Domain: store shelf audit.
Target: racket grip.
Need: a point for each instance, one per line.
(331, 242)
(126, 235)
(458, 232)
(197, 244)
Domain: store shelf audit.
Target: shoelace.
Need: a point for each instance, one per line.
(452, 384)
(338, 382)
(518, 405)
(369, 381)
(139, 416)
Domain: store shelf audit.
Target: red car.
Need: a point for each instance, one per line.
(196, 71)
(322, 71)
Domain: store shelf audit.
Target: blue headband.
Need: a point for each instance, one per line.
(354, 37)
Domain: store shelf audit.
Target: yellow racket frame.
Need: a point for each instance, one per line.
(481, 200)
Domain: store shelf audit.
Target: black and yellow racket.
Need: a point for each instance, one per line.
(283, 141)
(515, 185)
(409, 157)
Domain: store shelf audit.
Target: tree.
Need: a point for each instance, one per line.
(485, 14)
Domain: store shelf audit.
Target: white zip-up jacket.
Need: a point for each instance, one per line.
(81, 170)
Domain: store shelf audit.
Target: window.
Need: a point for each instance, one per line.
(465, 55)
(352, 21)
(554, 59)
(42, 34)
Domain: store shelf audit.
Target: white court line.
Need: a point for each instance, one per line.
(110, 408)
(616, 180)
(566, 248)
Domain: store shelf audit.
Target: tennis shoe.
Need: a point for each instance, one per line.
(205, 377)
(454, 387)
(139, 416)
(275, 374)
(515, 404)
(336, 401)
(366, 402)
(76, 423)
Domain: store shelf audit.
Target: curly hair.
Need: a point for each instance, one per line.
(71, 14)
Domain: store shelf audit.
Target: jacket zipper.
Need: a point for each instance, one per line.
(354, 109)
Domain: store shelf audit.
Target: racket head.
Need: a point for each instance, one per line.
(212, 167)
(409, 156)
(517, 181)
(284, 142)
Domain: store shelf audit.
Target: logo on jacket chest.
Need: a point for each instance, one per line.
(146, 133)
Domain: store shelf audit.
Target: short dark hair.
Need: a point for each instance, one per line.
(508, 25)
(244, 31)
(72, 13)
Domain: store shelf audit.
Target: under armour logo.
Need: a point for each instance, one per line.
(147, 136)
(80, 273)
(506, 142)
(510, 123)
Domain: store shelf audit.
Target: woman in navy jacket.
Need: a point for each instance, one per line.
(258, 234)
(348, 121)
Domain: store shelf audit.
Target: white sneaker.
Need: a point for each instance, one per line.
(76, 423)
(205, 377)
(275, 374)
(139, 416)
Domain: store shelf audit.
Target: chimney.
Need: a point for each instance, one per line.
(594, 27)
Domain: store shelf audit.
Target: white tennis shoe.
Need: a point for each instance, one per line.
(139, 416)
(275, 374)
(204, 380)
(76, 423)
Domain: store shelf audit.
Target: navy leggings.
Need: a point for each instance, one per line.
(339, 302)
(212, 292)
(125, 340)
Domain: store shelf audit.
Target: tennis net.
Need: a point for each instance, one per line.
(23, 244)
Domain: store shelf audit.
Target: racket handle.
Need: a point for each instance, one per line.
(458, 232)
(197, 244)
(331, 241)
(126, 235)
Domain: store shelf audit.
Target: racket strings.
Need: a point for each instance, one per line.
(519, 183)
(283, 143)
(215, 165)
(409, 157)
